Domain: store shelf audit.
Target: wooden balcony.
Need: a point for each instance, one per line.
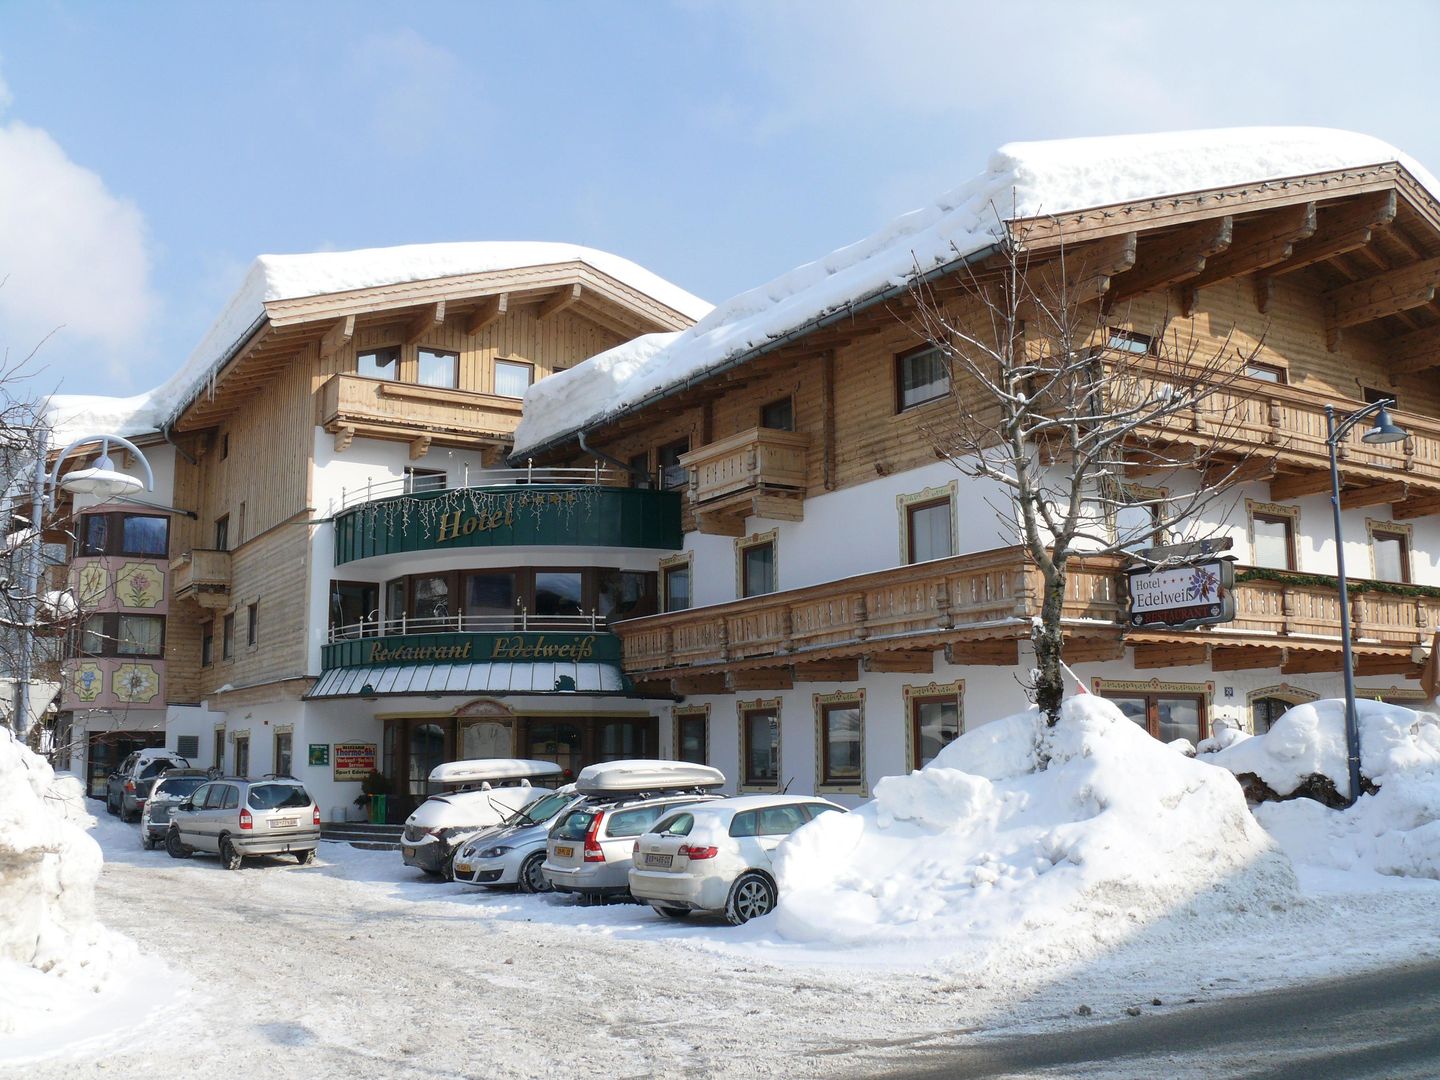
(352, 405)
(977, 606)
(203, 575)
(1278, 432)
(760, 472)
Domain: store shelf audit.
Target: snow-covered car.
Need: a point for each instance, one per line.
(717, 858)
(171, 788)
(235, 817)
(514, 852)
(127, 787)
(487, 791)
(589, 847)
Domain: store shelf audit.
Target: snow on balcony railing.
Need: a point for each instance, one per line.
(392, 487)
(520, 621)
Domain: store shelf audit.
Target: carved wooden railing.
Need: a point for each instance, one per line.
(746, 462)
(1303, 607)
(350, 400)
(995, 590)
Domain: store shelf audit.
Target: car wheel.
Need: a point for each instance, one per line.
(146, 840)
(110, 806)
(306, 857)
(671, 912)
(173, 845)
(228, 855)
(532, 877)
(127, 816)
(753, 895)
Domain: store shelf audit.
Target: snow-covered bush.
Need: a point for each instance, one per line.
(1020, 837)
(51, 946)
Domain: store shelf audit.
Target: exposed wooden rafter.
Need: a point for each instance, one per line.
(337, 337)
(1245, 658)
(1382, 295)
(1178, 258)
(1256, 467)
(769, 678)
(559, 301)
(1085, 272)
(1298, 485)
(1309, 661)
(1416, 351)
(913, 661)
(429, 319)
(1347, 227)
(1374, 495)
(419, 446)
(1260, 244)
(1167, 655)
(490, 309)
(1386, 665)
(1420, 506)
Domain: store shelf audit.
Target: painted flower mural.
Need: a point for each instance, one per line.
(140, 585)
(87, 682)
(137, 683)
(92, 584)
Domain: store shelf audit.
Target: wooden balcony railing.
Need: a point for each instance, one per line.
(761, 471)
(1302, 607)
(991, 592)
(354, 405)
(204, 575)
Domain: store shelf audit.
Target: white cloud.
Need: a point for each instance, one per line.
(406, 83)
(73, 255)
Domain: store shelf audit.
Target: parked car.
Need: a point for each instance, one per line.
(488, 790)
(589, 848)
(716, 858)
(513, 852)
(170, 789)
(235, 817)
(128, 785)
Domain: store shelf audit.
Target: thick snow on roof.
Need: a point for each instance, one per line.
(288, 277)
(1022, 180)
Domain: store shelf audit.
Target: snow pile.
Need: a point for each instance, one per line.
(985, 855)
(1022, 180)
(289, 277)
(53, 953)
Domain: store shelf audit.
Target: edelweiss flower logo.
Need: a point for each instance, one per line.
(1202, 583)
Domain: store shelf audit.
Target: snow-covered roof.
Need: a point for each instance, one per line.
(289, 277)
(1022, 180)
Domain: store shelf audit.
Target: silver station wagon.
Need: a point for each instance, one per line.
(234, 817)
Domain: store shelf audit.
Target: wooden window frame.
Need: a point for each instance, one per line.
(1153, 690)
(1280, 371)
(682, 714)
(222, 533)
(898, 369)
(330, 591)
(455, 367)
(495, 376)
(906, 505)
(1392, 530)
(207, 643)
(744, 544)
(252, 624)
(788, 400)
(1275, 513)
(240, 738)
(227, 636)
(824, 704)
(115, 536)
(914, 695)
(669, 565)
(394, 350)
(217, 754)
(683, 445)
(110, 635)
(743, 710)
(1114, 334)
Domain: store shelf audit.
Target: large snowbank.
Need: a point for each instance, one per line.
(1394, 831)
(288, 277)
(1031, 844)
(54, 955)
(1022, 180)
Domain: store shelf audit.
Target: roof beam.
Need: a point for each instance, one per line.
(430, 319)
(1298, 485)
(1347, 227)
(1419, 506)
(1179, 258)
(489, 310)
(1382, 295)
(1374, 495)
(559, 301)
(1085, 272)
(1162, 656)
(1245, 658)
(1417, 351)
(1256, 467)
(337, 337)
(1371, 664)
(1308, 661)
(1260, 244)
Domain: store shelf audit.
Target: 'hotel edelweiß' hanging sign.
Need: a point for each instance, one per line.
(1183, 596)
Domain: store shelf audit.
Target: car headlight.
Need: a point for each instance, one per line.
(494, 852)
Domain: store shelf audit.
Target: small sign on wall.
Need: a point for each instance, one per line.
(319, 753)
(354, 760)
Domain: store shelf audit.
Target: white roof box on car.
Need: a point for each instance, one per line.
(617, 777)
(477, 770)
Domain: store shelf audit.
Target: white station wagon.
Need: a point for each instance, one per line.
(716, 857)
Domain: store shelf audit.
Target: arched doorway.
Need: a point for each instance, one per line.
(1269, 703)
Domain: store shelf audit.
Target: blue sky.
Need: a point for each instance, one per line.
(149, 151)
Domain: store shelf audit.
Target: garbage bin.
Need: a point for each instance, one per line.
(377, 809)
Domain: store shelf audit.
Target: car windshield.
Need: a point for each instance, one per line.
(541, 810)
(575, 825)
(177, 787)
(277, 796)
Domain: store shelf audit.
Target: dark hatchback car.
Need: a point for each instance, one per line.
(129, 785)
(170, 789)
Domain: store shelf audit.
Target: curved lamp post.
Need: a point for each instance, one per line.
(101, 479)
(1384, 430)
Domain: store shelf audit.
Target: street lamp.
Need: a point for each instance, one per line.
(1384, 431)
(102, 480)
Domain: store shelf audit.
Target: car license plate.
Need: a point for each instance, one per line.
(564, 852)
(462, 868)
(651, 859)
(282, 822)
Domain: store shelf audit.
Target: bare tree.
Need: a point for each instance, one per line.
(1068, 416)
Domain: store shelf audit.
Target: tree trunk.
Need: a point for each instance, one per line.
(1049, 676)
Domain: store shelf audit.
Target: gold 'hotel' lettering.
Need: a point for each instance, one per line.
(516, 648)
(381, 655)
(455, 525)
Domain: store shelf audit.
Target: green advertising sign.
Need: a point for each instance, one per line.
(319, 753)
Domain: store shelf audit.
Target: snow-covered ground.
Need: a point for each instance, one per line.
(356, 967)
